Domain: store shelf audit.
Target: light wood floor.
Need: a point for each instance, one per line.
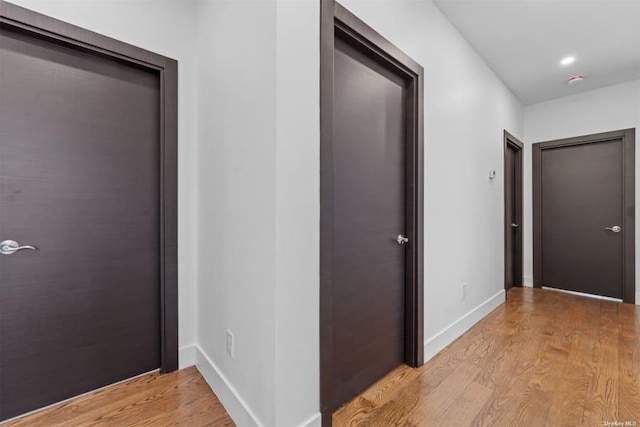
(179, 398)
(543, 359)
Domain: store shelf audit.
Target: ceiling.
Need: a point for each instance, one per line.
(523, 42)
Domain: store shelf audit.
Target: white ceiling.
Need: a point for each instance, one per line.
(523, 42)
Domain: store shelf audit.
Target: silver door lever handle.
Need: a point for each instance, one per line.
(401, 239)
(9, 247)
(615, 228)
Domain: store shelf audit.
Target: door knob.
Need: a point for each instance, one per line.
(401, 239)
(615, 228)
(514, 225)
(9, 247)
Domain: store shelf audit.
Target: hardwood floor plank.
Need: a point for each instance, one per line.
(362, 408)
(567, 408)
(524, 374)
(602, 398)
(466, 405)
(200, 412)
(629, 368)
(166, 399)
(416, 406)
(513, 383)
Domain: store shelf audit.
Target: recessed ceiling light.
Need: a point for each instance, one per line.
(568, 60)
(575, 79)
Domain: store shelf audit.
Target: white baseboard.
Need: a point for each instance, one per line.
(186, 356)
(315, 421)
(237, 408)
(435, 344)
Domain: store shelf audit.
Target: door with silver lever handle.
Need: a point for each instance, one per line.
(10, 247)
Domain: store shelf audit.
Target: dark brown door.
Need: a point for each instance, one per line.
(513, 211)
(79, 180)
(369, 215)
(582, 217)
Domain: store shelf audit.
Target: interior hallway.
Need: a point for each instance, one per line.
(544, 358)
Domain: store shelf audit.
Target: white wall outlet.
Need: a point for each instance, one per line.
(492, 174)
(230, 349)
(463, 293)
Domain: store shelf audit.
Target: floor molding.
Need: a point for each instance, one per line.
(236, 407)
(314, 421)
(435, 344)
(186, 356)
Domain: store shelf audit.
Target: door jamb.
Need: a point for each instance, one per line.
(511, 141)
(44, 27)
(336, 19)
(628, 193)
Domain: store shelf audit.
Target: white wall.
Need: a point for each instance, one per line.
(602, 110)
(145, 25)
(298, 213)
(258, 175)
(466, 110)
(237, 196)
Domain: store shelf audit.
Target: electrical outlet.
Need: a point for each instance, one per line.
(464, 291)
(230, 349)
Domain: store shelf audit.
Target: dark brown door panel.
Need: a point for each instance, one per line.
(513, 224)
(81, 173)
(584, 207)
(371, 208)
(368, 212)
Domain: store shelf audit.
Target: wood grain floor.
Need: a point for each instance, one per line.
(544, 358)
(179, 398)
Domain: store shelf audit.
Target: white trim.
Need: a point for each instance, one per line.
(314, 421)
(186, 356)
(527, 282)
(236, 407)
(435, 344)
(637, 299)
(582, 294)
